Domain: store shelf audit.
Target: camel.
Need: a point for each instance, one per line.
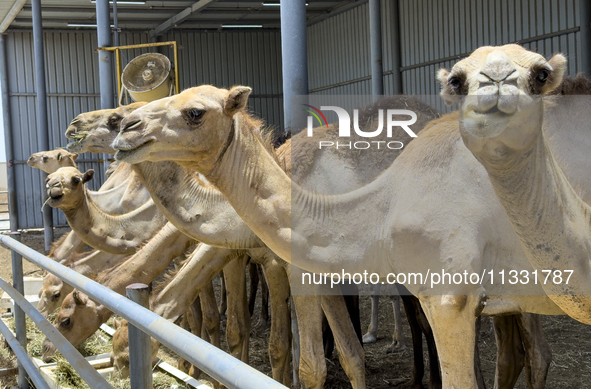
(398, 343)
(116, 234)
(50, 161)
(151, 173)
(507, 131)
(238, 331)
(204, 129)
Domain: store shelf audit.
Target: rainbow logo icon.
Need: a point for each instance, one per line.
(315, 115)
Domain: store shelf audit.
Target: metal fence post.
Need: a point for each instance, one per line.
(20, 323)
(140, 347)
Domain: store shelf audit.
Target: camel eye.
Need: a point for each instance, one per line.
(55, 297)
(45, 158)
(65, 322)
(542, 76)
(455, 83)
(194, 114)
(75, 180)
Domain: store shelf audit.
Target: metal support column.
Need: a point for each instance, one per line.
(294, 53)
(585, 14)
(375, 36)
(103, 30)
(7, 114)
(17, 259)
(396, 50)
(115, 24)
(140, 347)
(42, 123)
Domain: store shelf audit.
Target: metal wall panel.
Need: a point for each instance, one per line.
(222, 59)
(435, 34)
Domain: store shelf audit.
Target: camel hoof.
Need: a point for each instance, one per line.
(395, 347)
(369, 338)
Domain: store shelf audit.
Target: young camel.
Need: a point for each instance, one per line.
(115, 234)
(507, 133)
(203, 129)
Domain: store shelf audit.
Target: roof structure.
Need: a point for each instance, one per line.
(161, 16)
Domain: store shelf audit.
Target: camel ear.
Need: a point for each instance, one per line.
(237, 99)
(79, 298)
(74, 156)
(88, 175)
(558, 64)
(116, 324)
(59, 156)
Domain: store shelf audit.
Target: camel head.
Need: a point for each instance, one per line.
(499, 90)
(77, 319)
(50, 161)
(193, 126)
(66, 188)
(52, 294)
(94, 131)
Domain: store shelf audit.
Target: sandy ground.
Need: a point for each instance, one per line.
(570, 342)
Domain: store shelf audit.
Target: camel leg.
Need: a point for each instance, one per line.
(194, 318)
(263, 322)
(453, 321)
(510, 353)
(254, 283)
(280, 335)
(371, 335)
(398, 343)
(211, 315)
(295, 346)
(72, 244)
(238, 320)
(418, 369)
(223, 298)
(347, 340)
(312, 363)
(537, 350)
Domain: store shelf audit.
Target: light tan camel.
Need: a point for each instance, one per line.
(195, 197)
(507, 130)
(223, 144)
(50, 161)
(116, 234)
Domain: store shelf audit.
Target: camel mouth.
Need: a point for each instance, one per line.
(126, 152)
(31, 162)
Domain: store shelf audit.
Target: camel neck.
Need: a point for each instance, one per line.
(264, 196)
(115, 234)
(194, 206)
(552, 223)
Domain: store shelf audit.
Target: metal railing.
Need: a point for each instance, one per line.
(226, 369)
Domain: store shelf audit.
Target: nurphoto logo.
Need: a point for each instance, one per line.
(393, 119)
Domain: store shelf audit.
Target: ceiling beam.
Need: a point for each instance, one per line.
(338, 9)
(180, 17)
(16, 8)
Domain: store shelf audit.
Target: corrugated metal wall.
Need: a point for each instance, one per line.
(435, 34)
(222, 59)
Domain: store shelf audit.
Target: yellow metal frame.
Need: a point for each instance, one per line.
(117, 50)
